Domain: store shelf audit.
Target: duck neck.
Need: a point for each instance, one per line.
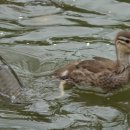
(122, 58)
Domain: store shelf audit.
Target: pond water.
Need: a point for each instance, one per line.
(37, 37)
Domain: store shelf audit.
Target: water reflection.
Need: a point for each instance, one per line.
(39, 36)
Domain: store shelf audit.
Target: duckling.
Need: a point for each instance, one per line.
(100, 72)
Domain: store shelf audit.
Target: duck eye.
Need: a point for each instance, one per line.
(127, 41)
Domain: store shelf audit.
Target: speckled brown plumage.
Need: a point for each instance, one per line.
(101, 72)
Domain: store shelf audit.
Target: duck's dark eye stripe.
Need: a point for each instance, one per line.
(127, 41)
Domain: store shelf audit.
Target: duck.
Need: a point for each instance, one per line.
(11, 87)
(99, 72)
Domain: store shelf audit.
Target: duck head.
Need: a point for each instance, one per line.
(122, 43)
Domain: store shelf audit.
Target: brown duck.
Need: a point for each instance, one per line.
(100, 72)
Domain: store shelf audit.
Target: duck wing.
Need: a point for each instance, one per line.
(63, 71)
(105, 61)
(95, 65)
